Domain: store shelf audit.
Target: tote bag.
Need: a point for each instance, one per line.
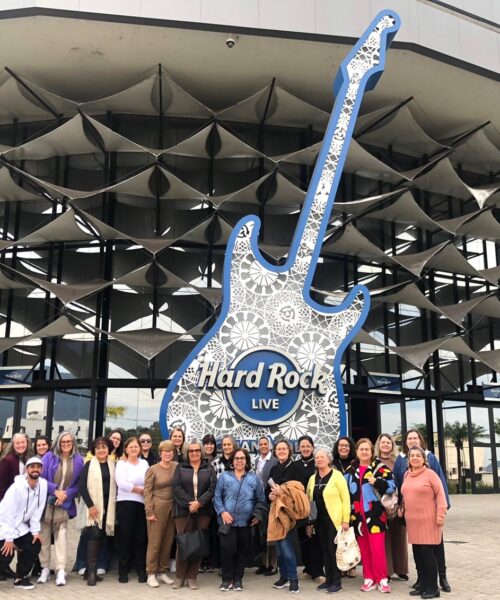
(348, 553)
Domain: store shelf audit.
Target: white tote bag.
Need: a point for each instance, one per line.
(348, 553)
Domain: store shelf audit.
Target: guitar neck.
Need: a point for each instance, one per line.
(359, 69)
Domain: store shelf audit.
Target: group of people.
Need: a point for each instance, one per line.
(272, 510)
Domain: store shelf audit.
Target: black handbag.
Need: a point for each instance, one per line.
(192, 545)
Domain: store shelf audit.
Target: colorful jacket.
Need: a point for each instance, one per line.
(50, 464)
(375, 515)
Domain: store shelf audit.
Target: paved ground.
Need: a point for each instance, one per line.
(472, 542)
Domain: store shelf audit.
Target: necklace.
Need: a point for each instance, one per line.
(319, 484)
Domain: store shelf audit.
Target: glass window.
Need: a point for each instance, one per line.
(483, 468)
(34, 413)
(134, 410)
(390, 418)
(480, 424)
(496, 424)
(7, 402)
(456, 446)
(71, 412)
(415, 416)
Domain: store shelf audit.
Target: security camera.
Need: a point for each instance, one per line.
(231, 41)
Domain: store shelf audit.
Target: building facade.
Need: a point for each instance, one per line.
(131, 144)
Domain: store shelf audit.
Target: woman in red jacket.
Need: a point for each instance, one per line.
(12, 464)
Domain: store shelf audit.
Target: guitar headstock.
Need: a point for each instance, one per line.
(365, 63)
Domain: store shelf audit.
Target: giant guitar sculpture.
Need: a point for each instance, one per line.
(270, 365)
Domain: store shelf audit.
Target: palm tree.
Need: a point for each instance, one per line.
(496, 426)
(113, 412)
(457, 432)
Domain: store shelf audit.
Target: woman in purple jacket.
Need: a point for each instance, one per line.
(61, 468)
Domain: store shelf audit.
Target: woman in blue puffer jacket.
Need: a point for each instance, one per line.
(236, 495)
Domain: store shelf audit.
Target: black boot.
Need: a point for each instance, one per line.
(93, 547)
(443, 582)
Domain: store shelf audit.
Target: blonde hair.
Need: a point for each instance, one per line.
(392, 454)
(166, 445)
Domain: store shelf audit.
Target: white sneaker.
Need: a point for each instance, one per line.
(152, 581)
(101, 572)
(44, 575)
(82, 571)
(164, 578)
(61, 577)
(172, 565)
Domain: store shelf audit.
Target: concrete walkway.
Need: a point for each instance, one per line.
(472, 543)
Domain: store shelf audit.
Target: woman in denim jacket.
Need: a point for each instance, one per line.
(236, 495)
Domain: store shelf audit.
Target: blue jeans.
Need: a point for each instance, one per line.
(104, 558)
(286, 558)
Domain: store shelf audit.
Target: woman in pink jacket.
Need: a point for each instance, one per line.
(424, 508)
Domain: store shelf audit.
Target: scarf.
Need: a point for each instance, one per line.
(94, 486)
(56, 515)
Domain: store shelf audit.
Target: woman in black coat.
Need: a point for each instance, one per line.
(193, 489)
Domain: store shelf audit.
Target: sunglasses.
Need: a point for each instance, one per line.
(146, 441)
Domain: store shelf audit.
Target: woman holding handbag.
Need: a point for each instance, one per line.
(193, 490)
(98, 492)
(424, 508)
(61, 468)
(236, 494)
(327, 488)
(396, 544)
(368, 479)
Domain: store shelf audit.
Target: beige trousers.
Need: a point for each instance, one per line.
(60, 545)
(160, 539)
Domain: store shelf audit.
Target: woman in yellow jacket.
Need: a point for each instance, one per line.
(328, 490)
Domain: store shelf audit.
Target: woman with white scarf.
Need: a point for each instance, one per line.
(98, 491)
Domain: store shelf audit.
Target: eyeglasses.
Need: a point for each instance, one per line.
(193, 451)
(239, 458)
(146, 441)
(66, 442)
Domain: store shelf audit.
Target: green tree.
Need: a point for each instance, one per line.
(457, 433)
(113, 412)
(496, 426)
